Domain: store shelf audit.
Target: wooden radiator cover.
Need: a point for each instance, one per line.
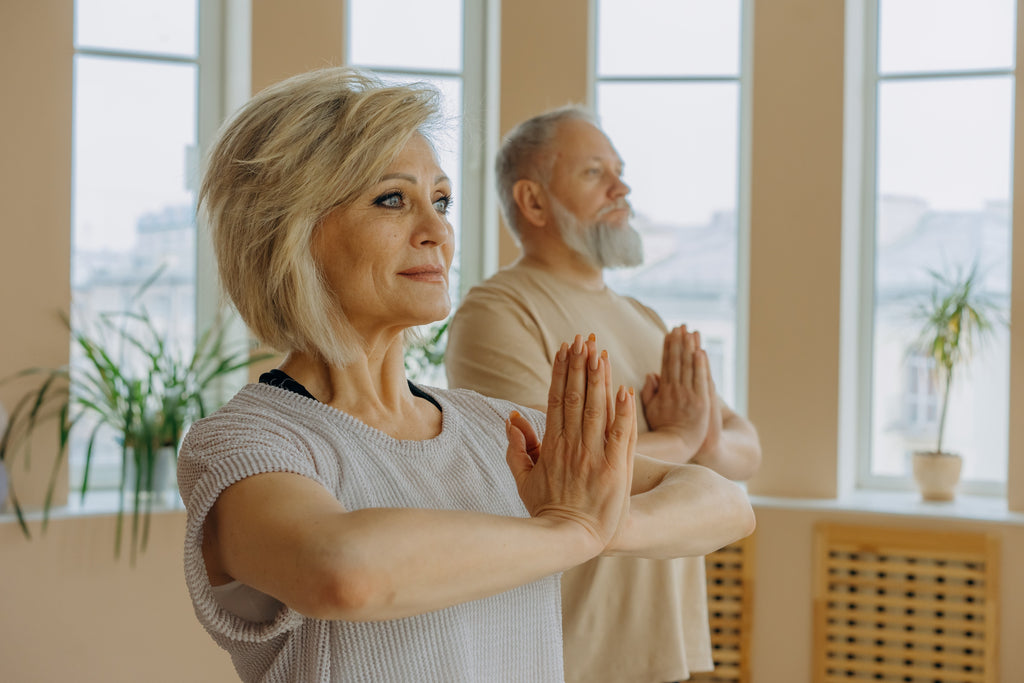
(904, 605)
(730, 579)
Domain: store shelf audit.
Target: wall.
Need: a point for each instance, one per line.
(99, 620)
(796, 238)
(68, 609)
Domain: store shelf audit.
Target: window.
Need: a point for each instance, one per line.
(137, 71)
(456, 61)
(939, 96)
(669, 94)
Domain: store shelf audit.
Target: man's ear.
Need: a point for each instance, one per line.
(531, 201)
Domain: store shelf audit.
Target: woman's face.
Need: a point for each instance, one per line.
(386, 255)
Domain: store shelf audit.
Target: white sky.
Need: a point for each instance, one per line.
(948, 142)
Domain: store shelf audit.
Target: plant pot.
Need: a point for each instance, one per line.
(937, 474)
(163, 475)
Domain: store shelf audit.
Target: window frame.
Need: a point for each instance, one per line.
(478, 247)
(859, 249)
(744, 81)
(211, 99)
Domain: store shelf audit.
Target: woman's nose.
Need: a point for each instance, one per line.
(433, 228)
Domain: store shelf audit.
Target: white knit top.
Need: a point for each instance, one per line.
(512, 636)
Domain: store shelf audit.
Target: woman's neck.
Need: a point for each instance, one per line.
(372, 388)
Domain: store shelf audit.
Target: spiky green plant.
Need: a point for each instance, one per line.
(129, 382)
(958, 318)
(425, 348)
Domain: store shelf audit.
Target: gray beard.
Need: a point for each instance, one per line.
(601, 244)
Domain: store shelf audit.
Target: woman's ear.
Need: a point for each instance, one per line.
(531, 200)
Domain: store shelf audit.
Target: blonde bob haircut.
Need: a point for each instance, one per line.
(292, 154)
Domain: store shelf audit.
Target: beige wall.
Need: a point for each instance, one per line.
(65, 595)
(68, 610)
(544, 64)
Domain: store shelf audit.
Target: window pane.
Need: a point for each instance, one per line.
(406, 34)
(668, 38)
(679, 143)
(943, 187)
(134, 129)
(943, 35)
(167, 27)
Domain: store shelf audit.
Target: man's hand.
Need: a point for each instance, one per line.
(714, 435)
(681, 400)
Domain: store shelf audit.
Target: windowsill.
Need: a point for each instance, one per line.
(902, 503)
(96, 503)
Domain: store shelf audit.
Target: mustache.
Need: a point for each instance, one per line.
(621, 204)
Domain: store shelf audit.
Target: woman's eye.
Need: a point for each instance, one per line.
(443, 204)
(390, 200)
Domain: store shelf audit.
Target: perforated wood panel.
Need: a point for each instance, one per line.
(730, 594)
(913, 606)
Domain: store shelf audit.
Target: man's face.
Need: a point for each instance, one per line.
(588, 197)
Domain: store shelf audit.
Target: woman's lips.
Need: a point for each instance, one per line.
(425, 274)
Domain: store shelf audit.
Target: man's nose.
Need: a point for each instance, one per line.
(620, 188)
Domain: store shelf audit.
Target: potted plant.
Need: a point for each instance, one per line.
(130, 382)
(957, 319)
(424, 353)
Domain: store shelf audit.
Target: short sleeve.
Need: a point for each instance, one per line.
(496, 348)
(216, 453)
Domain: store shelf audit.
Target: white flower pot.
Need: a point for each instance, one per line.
(163, 475)
(937, 474)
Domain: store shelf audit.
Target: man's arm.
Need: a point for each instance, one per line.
(736, 453)
(680, 511)
(689, 422)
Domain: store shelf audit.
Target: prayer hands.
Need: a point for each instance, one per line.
(582, 470)
(682, 400)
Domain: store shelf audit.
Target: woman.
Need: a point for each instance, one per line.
(345, 524)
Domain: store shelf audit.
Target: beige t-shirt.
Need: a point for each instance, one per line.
(624, 619)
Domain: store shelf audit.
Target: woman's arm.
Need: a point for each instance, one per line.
(287, 536)
(304, 549)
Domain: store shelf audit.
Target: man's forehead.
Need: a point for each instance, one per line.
(582, 142)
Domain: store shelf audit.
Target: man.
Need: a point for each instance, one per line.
(562, 195)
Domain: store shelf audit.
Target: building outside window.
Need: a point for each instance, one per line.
(136, 111)
(455, 61)
(670, 95)
(939, 118)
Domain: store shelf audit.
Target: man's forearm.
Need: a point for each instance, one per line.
(737, 455)
(691, 511)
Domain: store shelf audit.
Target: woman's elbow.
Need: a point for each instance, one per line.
(345, 592)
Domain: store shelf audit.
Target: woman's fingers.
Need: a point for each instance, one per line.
(609, 394)
(531, 442)
(621, 433)
(556, 393)
(574, 396)
(595, 412)
(516, 455)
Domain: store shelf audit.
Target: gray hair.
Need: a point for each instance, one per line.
(525, 153)
(291, 155)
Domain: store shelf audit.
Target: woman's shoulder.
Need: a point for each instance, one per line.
(477, 405)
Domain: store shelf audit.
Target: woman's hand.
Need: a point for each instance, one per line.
(582, 471)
